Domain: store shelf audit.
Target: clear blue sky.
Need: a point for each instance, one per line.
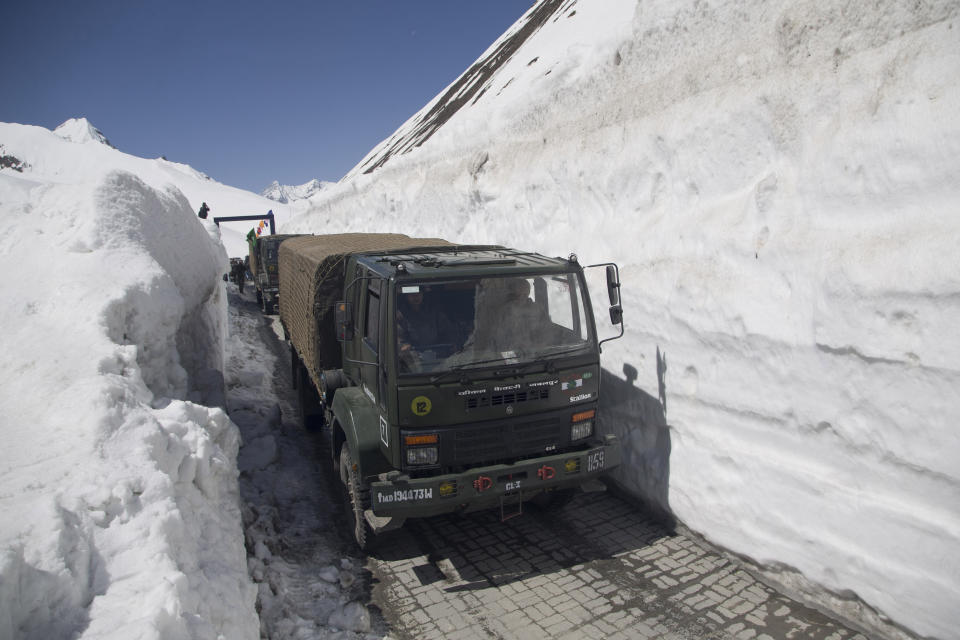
(247, 92)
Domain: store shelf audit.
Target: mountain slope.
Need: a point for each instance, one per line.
(285, 194)
(80, 130)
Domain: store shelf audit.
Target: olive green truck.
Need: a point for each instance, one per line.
(263, 268)
(448, 377)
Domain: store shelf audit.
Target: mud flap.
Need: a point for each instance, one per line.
(511, 505)
(379, 524)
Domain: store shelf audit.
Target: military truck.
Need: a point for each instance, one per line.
(263, 267)
(447, 377)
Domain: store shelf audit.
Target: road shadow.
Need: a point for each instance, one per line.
(639, 420)
(478, 551)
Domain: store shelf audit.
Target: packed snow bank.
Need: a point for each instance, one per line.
(44, 153)
(778, 183)
(118, 472)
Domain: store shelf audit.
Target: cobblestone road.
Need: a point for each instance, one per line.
(597, 569)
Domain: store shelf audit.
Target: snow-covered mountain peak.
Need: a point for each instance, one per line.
(286, 193)
(81, 130)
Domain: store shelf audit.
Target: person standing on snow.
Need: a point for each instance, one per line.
(239, 274)
(204, 209)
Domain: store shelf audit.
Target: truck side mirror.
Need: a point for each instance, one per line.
(613, 292)
(616, 314)
(343, 318)
(613, 285)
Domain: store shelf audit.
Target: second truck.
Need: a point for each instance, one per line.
(449, 377)
(263, 268)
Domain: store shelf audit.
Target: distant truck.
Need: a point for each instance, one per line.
(451, 377)
(264, 269)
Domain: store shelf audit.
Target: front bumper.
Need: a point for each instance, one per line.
(484, 487)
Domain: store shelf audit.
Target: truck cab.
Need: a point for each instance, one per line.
(470, 379)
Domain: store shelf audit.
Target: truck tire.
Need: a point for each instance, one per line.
(308, 400)
(357, 499)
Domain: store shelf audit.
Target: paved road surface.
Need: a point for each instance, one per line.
(599, 568)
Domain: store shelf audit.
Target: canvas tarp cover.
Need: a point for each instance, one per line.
(312, 277)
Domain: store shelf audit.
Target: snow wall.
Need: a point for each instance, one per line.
(121, 515)
(778, 182)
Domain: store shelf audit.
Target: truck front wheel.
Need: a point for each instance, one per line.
(357, 494)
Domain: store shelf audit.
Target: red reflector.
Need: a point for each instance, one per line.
(429, 439)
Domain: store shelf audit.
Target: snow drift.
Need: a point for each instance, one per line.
(778, 183)
(120, 508)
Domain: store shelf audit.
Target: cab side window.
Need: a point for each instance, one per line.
(371, 325)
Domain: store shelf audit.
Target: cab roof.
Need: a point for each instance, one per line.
(460, 260)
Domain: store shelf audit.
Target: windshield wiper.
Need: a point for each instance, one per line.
(462, 367)
(560, 352)
(544, 359)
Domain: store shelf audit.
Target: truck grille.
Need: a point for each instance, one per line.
(509, 441)
(507, 398)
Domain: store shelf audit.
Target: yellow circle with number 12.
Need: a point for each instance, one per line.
(421, 405)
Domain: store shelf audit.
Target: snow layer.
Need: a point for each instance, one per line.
(119, 494)
(777, 181)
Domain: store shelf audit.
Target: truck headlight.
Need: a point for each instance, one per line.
(422, 455)
(581, 430)
(582, 426)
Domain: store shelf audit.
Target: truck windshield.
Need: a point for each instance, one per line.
(489, 320)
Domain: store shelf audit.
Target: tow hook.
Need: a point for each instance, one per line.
(546, 473)
(482, 483)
